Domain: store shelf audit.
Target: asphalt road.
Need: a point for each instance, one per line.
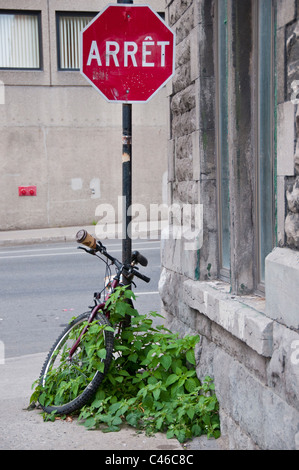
(43, 286)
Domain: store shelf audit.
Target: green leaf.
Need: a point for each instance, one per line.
(157, 374)
(111, 428)
(181, 435)
(42, 398)
(116, 421)
(129, 294)
(97, 403)
(124, 373)
(170, 434)
(133, 418)
(190, 385)
(100, 395)
(114, 407)
(190, 357)
(100, 366)
(109, 328)
(133, 357)
(123, 409)
(171, 379)
(166, 362)
(128, 335)
(148, 401)
(191, 413)
(196, 430)
(159, 422)
(102, 353)
(152, 380)
(138, 345)
(119, 379)
(90, 422)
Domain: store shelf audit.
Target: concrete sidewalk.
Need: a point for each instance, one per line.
(26, 430)
(21, 429)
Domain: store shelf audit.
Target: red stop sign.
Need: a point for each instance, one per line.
(127, 53)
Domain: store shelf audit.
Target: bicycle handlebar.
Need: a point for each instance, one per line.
(141, 276)
(88, 240)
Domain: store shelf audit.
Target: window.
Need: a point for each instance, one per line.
(245, 141)
(69, 26)
(223, 155)
(19, 40)
(265, 113)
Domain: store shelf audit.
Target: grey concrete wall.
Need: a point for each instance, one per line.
(58, 133)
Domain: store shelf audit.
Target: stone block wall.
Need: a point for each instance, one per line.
(288, 100)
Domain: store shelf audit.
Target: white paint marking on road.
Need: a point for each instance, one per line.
(147, 293)
(142, 247)
(38, 255)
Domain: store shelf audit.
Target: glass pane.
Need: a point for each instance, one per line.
(223, 134)
(19, 41)
(265, 134)
(69, 40)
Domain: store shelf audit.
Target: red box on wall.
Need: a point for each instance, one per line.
(27, 190)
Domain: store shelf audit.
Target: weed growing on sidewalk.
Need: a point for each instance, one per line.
(151, 384)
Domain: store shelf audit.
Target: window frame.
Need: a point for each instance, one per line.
(260, 282)
(64, 13)
(38, 14)
(238, 263)
(224, 272)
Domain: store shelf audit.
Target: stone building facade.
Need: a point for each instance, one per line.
(233, 150)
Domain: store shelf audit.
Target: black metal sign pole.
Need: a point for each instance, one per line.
(126, 176)
(127, 181)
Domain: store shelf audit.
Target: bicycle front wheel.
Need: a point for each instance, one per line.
(68, 384)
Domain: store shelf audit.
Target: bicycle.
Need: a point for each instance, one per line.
(69, 358)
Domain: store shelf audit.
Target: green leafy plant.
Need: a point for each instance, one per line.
(151, 384)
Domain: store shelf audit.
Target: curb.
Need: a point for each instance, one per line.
(140, 230)
(47, 235)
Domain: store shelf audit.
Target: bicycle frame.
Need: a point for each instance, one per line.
(68, 351)
(94, 246)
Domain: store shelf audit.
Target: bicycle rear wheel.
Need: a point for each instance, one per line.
(67, 385)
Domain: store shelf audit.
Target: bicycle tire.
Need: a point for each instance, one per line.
(89, 391)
